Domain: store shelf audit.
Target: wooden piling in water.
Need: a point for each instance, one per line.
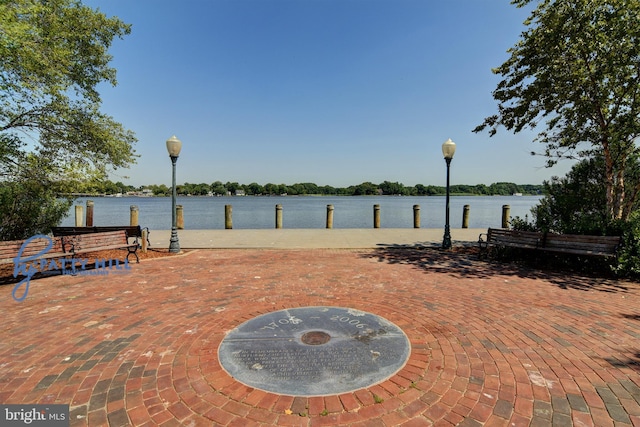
(179, 217)
(81, 220)
(228, 220)
(78, 215)
(133, 215)
(278, 216)
(376, 216)
(465, 216)
(506, 209)
(89, 218)
(329, 216)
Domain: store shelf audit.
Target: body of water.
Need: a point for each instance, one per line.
(305, 211)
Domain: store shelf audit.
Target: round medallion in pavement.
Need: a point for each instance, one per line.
(314, 351)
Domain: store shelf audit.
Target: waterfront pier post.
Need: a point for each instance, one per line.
(506, 210)
(228, 219)
(329, 216)
(465, 216)
(89, 218)
(133, 216)
(79, 215)
(278, 216)
(179, 217)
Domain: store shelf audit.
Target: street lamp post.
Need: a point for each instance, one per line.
(173, 147)
(448, 149)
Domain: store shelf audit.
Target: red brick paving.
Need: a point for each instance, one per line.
(492, 344)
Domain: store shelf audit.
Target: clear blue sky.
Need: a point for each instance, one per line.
(335, 92)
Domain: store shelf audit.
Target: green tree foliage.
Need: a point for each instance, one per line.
(299, 189)
(574, 204)
(160, 190)
(28, 208)
(122, 188)
(270, 189)
(189, 189)
(628, 262)
(576, 69)
(104, 187)
(231, 187)
(393, 188)
(504, 188)
(53, 138)
(365, 189)
(254, 189)
(218, 188)
(327, 189)
(310, 188)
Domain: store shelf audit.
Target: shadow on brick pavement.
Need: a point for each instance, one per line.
(468, 261)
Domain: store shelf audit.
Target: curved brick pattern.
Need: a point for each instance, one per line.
(491, 345)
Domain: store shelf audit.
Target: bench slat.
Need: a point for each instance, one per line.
(94, 242)
(579, 251)
(569, 245)
(132, 230)
(511, 238)
(550, 242)
(9, 249)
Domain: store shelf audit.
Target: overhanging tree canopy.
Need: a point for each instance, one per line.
(53, 54)
(577, 69)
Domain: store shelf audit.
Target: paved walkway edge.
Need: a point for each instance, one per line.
(359, 238)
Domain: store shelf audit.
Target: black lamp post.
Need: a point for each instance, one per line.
(173, 147)
(448, 149)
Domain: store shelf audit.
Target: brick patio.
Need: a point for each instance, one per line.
(491, 344)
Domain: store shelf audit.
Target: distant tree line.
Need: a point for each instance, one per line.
(217, 188)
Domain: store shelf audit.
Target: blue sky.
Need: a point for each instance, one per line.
(335, 92)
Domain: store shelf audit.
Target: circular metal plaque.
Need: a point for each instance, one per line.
(314, 351)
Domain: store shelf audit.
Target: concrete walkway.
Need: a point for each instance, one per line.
(359, 238)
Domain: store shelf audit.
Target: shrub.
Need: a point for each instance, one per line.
(629, 254)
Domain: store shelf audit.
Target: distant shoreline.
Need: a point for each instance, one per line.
(385, 188)
(79, 195)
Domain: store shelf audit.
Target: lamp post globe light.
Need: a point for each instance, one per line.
(173, 147)
(448, 150)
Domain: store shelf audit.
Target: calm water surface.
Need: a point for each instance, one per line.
(305, 211)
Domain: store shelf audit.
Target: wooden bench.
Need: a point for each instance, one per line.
(76, 244)
(574, 244)
(29, 257)
(134, 232)
(43, 247)
(605, 246)
(510, 238)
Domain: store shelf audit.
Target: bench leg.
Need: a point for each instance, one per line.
(68, 261)
(134, 253)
